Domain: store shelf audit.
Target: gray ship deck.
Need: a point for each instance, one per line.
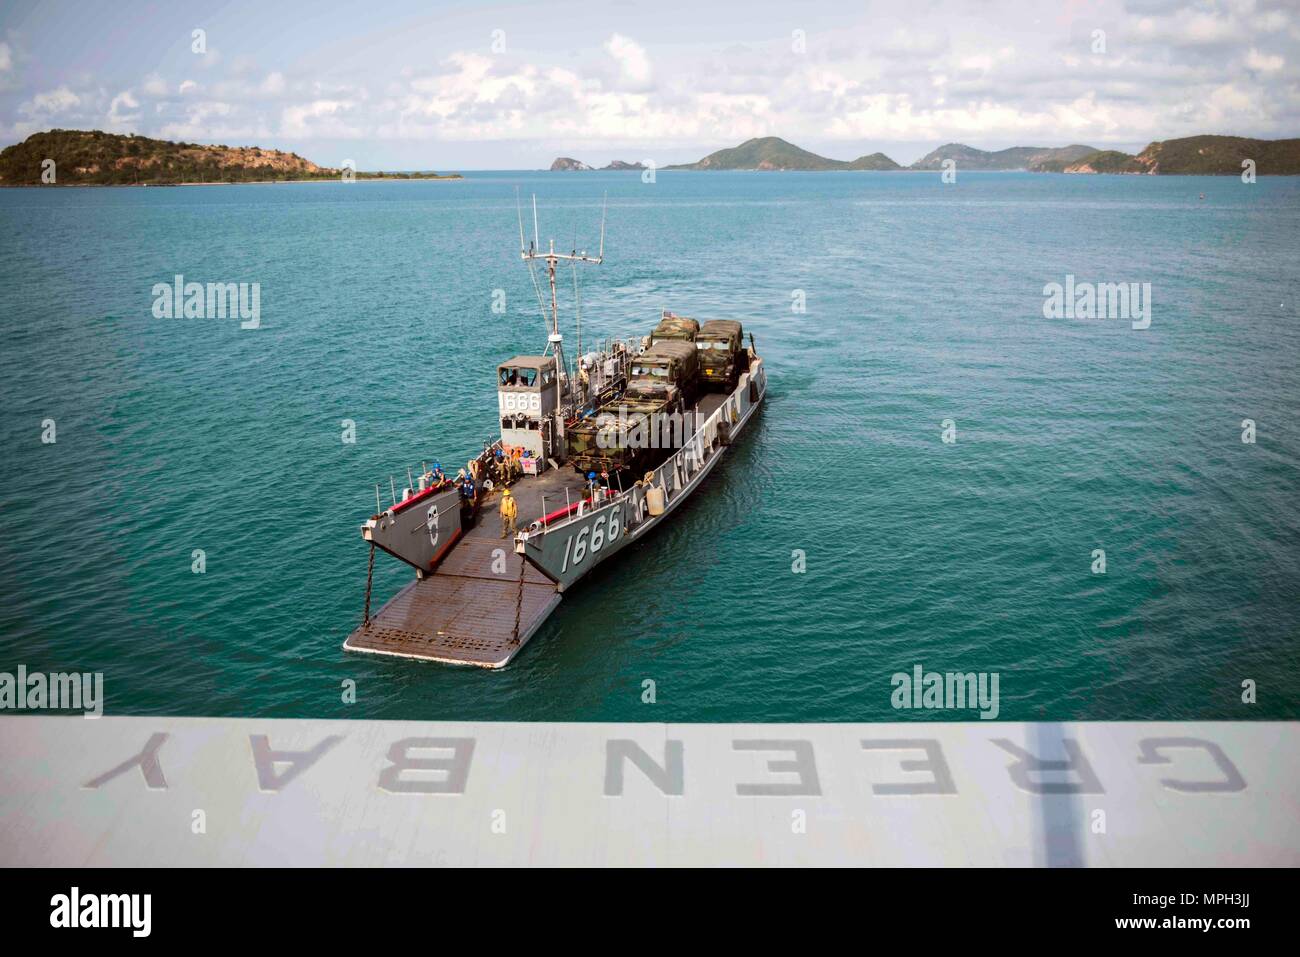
(465, 613)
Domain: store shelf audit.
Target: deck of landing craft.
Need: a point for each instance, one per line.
(479, 608)
(483, 602)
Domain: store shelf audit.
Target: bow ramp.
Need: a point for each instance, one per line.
(478, 607)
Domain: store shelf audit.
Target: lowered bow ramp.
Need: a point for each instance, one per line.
(479, 608)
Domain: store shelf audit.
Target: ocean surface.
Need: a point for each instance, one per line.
(924, 303)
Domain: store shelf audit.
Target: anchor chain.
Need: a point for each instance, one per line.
(519, 600)
(370, 574)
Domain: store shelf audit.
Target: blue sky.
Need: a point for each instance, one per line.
(510, 86)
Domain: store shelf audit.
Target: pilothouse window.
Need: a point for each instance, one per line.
(513, 375)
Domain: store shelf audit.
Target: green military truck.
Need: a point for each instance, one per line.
(669, 369)
(672, 326)
(720, 344)
(634, 431)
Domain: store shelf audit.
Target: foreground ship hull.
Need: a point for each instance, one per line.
(486, 597)
(568, 551)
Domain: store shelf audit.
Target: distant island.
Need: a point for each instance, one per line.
(1198, 155)
(1033, 158)
(774, 153)
(95, 158)
(566, 164)
(1193, 155)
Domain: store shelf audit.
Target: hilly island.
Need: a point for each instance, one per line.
(1193, 155)
(774, 153)
(95, 158)
(568, 164)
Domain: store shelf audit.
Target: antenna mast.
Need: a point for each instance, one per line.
(555, 341)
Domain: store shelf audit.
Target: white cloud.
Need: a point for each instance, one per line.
(320, 118)
(214, 121)
(119, 118)
(1265, 63)
(633, 63)
(906, 42)
(47, 104)
(1191, 28)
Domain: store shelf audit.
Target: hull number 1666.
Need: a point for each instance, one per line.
(604, 529)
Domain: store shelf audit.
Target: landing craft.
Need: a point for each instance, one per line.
(582, 484)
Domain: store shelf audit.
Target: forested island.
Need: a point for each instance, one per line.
(95, 158)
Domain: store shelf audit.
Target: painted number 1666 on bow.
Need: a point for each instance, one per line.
(604, 529)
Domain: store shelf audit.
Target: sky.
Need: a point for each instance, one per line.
(453, 86)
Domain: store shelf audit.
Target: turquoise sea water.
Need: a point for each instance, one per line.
(924, 303)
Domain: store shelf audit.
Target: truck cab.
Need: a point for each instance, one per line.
(668, 370)
(720, 345)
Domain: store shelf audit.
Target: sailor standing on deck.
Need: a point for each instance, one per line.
(467, 490)
(509, 511)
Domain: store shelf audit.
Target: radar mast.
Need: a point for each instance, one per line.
(530, 253)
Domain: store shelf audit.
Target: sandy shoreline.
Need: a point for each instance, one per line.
(250, 182)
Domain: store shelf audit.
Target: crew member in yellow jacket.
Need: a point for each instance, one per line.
(509, 512)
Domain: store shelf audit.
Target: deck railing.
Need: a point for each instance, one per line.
(681, 466)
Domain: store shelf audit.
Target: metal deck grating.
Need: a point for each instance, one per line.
(458, 620)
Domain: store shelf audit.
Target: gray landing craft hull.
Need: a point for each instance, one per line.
(478, 600)
(567, 551)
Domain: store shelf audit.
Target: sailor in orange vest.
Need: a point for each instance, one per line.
(509, 512)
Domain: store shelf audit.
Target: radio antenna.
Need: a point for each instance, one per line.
(555, 341)
(604, 207)
(523, 252)
(520, 210)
